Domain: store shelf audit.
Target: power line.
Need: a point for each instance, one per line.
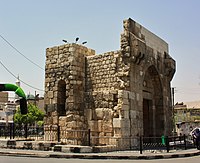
(20, 52)
(20, 79)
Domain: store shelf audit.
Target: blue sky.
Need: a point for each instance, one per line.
(31, 26)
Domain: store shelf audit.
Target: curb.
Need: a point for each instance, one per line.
(145, 157)
(96, 156)
(20, 154)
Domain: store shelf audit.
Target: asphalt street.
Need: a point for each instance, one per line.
(10, 159)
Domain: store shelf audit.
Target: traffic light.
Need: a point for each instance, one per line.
(23, 106)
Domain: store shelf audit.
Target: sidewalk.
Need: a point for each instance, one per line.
(132, 155)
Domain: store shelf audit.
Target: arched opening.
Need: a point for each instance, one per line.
(153, 112)
(61, 98)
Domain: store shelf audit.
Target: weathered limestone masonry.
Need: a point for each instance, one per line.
(119, 95)
(65, 87)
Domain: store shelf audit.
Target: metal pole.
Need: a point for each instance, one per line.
(58, 133)
(35, 98)
(184, 138)
(13, 128)
(140, 144)
(174, 125)
(89, 143)
(26, 130)
(167, 143)
(10, 130)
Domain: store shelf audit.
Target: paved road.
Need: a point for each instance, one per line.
(9, 159)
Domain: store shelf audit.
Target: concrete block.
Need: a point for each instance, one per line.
(132, 95)
(50, 94)
(126, 113)
(125, 107)
(3, 143)
(89, 114)
(126, 101)
(99, 113)
(138, 96)
(93, 125)
(116, 122)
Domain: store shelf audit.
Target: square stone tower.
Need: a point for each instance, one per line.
(65, 86)
(120, 95)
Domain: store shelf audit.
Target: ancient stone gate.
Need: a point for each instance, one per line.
(119, 94)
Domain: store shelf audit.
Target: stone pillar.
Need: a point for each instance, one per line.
(65, 86)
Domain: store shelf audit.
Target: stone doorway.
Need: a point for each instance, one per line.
(147, 118)
(153, 109)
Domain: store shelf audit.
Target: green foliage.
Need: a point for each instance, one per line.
(34, 115)
(40, 123)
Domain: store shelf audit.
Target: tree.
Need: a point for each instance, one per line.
(34, 115)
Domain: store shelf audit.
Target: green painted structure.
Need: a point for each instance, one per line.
(19, 92)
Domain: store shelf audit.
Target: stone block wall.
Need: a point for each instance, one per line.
(101, 95)
(150, 70)
(101, 72)
(119, 95)
(65, 86)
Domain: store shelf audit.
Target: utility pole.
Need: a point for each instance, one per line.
(173, 116)
(35, 99)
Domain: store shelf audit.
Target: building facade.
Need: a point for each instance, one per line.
(187, 117)
(3, 100)
(122, 94)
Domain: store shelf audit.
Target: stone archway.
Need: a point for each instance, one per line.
(153, 110)
(61, 98)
